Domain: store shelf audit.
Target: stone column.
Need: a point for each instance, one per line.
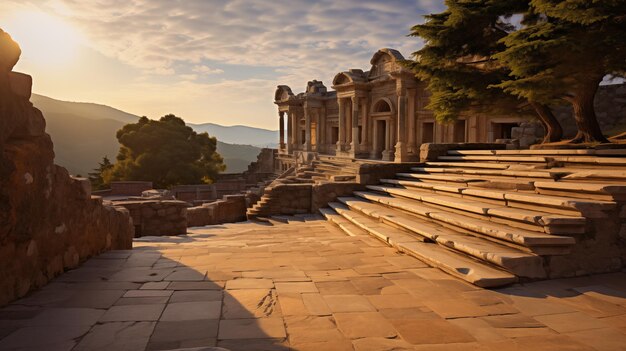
(289, 133)
(365, 127)
(294, 133)
(318, 132)
(307, 128)
(322, 130)
(375, 146)
(401, 154)
(411, 145)
(281, 128)
(355, 126)
(342, 125)
(387, 153)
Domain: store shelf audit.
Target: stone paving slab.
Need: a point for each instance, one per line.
(302, 286)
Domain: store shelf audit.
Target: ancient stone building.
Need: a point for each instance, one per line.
(377, 114)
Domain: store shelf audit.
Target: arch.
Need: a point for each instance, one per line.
(384, 61)
(386, 54)
(383, 105)
(282, 93)
(342, 78)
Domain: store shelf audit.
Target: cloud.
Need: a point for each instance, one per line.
(295, 40)
(157, 34)
(207, 70)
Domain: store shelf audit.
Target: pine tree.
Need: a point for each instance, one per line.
(97, 176)
(563, 51)
(458, 64)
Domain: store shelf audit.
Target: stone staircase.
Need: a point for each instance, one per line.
(496, 217)
(324, 171)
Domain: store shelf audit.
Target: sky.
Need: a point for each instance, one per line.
(204, 60)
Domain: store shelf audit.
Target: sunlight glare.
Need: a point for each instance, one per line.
(44, 39)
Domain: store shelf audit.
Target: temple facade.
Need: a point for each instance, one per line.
(378, 114)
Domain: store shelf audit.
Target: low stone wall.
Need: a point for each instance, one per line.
(157, 217)
(430, 151)
(130, 188)
(291, 199)
(232, 208)
(195, 193)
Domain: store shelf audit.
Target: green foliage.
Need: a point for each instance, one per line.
(474, 57)
(96, 177)
(565, 46)
(457, 61)
(166, 152)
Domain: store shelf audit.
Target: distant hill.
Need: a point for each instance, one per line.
(81, 109)
(83, 133)
(238, 134)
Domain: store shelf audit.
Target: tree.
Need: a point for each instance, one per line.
(166, 152)
(97, 176)
(563, 51)
(458, 64)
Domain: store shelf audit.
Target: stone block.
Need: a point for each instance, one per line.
(85, 186)
(21, 84)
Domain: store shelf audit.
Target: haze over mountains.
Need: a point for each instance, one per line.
(83, 133)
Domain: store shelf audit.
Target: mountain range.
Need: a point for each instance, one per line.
(83, 133)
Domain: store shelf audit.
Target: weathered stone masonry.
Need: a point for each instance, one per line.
(49, 222)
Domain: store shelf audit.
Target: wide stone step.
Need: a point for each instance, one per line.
(344, 224)
(479, 165)
(581, 189)
(524, 152)
(497, 182)
(535, 220)
(590, 160)
(579, 174)
(532, 240)
(455, 264)
(544, 152)
(539, 159)
(520, 263)
(490, 172)
(572, 206)
(440, 177)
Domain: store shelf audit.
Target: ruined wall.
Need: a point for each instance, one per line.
(232, 208)
(49, 222)
(157, 217)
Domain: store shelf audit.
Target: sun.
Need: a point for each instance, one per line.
(44, 39)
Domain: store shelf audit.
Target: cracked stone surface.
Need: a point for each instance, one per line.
(302, 286)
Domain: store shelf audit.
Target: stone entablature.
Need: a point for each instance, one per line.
(377, 114)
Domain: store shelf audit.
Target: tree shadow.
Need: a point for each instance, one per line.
(159, 296)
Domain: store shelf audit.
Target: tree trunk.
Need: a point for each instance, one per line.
(585, 116)
(554, 132)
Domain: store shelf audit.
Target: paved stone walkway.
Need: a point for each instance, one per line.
(302, 286)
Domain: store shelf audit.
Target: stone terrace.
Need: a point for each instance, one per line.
(304, 285)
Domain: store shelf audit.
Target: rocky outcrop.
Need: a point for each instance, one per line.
(49, 222)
